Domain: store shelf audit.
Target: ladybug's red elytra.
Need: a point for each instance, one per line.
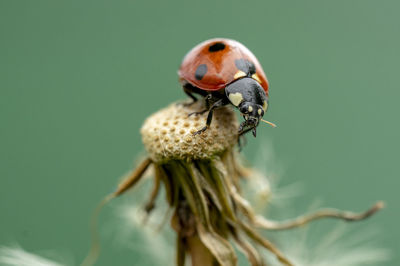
(225, 72)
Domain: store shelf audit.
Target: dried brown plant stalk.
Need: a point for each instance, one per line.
(201, 176)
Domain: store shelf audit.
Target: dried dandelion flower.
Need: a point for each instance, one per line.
(201, 178)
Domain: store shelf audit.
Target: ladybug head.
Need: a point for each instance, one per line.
(251, 110)
(251, 100)
(252, 114)
(251, 118)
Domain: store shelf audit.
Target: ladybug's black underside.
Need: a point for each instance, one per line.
(246, 94)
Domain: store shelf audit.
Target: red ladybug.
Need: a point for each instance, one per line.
(225, 72)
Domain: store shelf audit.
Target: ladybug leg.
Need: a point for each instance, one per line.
(242, 141)
(243, 130)
(208, 100)
(198, 113)
(241, 136)
(189, 92)
(219, 103)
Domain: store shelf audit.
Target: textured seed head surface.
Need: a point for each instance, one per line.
(168, 134)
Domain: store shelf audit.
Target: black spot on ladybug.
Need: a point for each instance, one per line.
(246, 66)
(218, 46)
(200, 71)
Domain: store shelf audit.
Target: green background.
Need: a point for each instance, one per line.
(78, 78)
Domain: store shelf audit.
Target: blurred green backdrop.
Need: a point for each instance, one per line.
(77, 79)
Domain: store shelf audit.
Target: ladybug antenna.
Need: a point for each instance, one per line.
(269, 123)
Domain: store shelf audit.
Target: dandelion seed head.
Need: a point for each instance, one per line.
(168, 134)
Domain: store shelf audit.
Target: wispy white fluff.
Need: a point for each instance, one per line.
(154, 243)
(16, 256)
(329, 247)
(335, 247)
(263, 189)
(131, 232)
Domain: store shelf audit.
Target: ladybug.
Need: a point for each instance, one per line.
(224, 72)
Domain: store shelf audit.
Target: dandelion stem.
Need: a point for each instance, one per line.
(180, 250)
(200, 254)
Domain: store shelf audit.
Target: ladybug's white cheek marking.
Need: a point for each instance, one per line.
(239, 75)
(250, 109)
(265, 105)
(259, 111)
(256, 77)
(235, 98)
